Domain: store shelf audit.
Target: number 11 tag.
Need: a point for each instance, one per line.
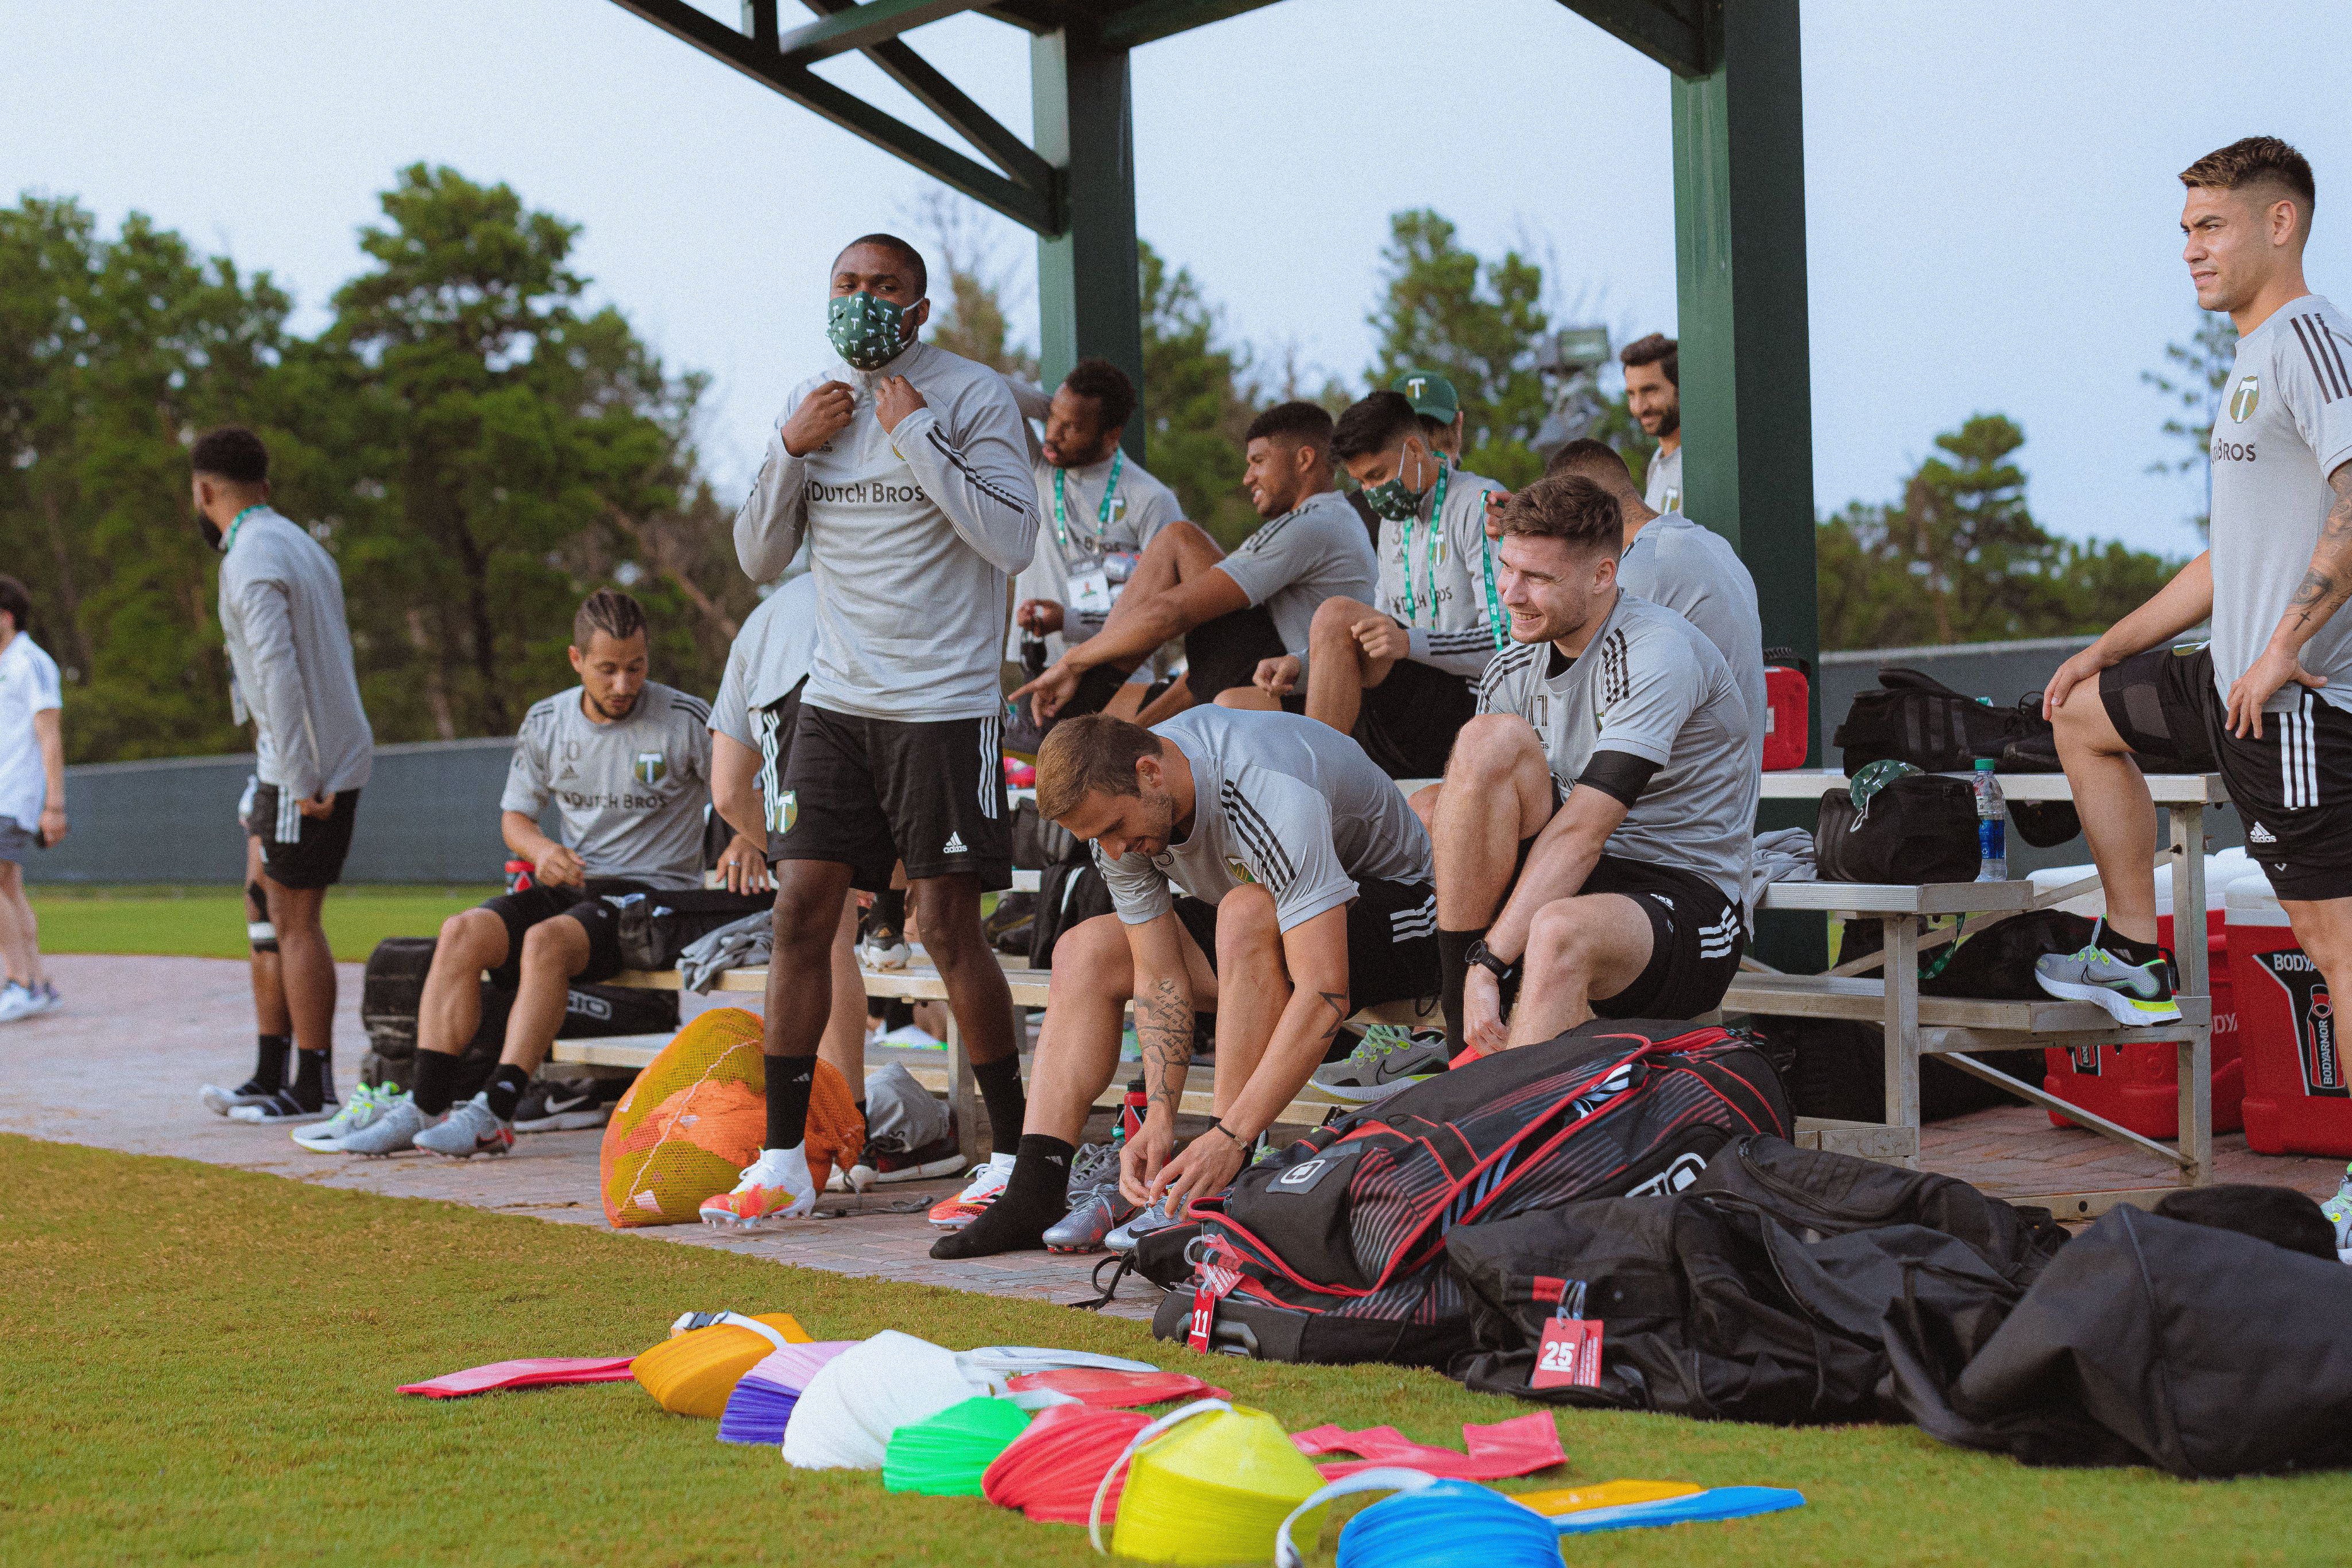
(1568, 1354)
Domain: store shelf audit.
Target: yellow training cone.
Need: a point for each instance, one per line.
(1207, 1490)
(693, 1371)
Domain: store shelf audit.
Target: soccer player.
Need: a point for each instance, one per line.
(1398, 676)
(1233, 611)
(628, 761)
(289, 654)
(1694, 571)
(1303, 893)
(1653, 394)
(1101, 513)
(32, 796)
(1608, 786)
(907, 469)
(2268, 703)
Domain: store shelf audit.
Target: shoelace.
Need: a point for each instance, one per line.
(1093, 1164)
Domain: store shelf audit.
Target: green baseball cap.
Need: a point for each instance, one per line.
(1431, 394)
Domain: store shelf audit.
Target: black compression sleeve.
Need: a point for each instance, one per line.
(1620, 775)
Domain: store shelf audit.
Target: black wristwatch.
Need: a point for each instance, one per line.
(1484, 957)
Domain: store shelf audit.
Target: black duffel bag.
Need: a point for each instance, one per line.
(1920, 828)
(392, 989)
(656, 927)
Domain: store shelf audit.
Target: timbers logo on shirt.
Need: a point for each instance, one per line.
(652, 767)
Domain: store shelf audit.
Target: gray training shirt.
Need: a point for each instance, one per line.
(1069, 565)
(1316, 550)
(1695, 573)
(1279, 800)
(2284, 426)
(1439, 595)
(290, 657)
(913, 535)
(631, 794)
(1650, 686)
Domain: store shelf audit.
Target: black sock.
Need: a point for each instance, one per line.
(437, 1081)
(1453, 965)
(1035, 1196)
(270, 1061)
(2124, 947)
(314, 1078)
(505, 1090)
(1000, 1090)
(790, 1078)
(889, 910)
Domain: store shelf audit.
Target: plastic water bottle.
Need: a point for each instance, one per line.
(2338, 1210)
(1992, 825)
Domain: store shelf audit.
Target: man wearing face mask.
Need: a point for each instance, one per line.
(1607, 787)
(907, 470)
(1397, 674)
(1101, 512)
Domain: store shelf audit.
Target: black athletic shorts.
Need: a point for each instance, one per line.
(774, 725)
(2292, 788)
(1408, 722)
(518, 912)
(1226, 653)
(1391, 940)
(1697, 936)
(871, 792)
(316, 858)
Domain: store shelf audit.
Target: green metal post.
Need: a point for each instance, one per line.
(1089, 295)
(1747, 393)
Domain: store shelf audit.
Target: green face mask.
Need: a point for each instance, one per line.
(866, 331)
(1391, 500)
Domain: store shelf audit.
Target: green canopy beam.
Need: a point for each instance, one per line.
(1089, 293)
(856, 26)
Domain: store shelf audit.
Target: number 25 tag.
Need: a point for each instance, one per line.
(1569, 1355)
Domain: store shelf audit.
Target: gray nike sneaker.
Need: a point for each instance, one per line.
(1390, 1059)
(389, 1133)
(2133, 994)
(1155, 1217)
(1095, 1207)
(468, 1130)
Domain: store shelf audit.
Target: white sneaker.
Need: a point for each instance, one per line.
(776, 1186)
(368, 1103)
(885, 950)
(390, 1132)
(19, 1001)
(986, 1184)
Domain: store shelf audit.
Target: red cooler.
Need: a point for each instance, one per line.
(2298, 1091)
(1788, 703)
(2138, 1086)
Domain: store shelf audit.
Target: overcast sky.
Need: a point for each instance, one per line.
(1990, 201)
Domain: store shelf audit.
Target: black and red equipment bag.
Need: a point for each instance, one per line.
(1333, 1250)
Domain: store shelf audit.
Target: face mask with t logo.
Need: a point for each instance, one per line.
(866, 329)
(1389, 500)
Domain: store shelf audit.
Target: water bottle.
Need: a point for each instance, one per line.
(2338, 1210)
(1992, 825)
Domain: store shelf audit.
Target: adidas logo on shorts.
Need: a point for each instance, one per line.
(2258, 834)
(955, 846)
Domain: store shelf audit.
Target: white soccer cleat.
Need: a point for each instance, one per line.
(775, 1187)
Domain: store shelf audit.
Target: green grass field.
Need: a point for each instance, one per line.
(200, 1364)
(209, 922)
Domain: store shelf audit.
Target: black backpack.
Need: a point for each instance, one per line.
(1336, 1245)
(656, 927)
(1911, 717)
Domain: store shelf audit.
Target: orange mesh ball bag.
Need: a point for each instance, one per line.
(697, 1115)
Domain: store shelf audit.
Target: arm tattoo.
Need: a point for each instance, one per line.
(2325, 586)
(1339, 1005)
(1163, 1027)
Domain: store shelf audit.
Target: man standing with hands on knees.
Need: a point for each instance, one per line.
(907, 469)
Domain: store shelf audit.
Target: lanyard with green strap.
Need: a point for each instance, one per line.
(1102, 512)
(1497, 626)
(229, 539)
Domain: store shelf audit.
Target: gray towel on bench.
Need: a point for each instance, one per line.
(740, 946)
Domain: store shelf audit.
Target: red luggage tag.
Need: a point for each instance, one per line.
(1216, 1282)
(1569, 1355)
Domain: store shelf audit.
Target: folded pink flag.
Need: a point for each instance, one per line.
(1519, 1447)
(533, 1372)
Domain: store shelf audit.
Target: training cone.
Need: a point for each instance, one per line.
(1052, 1470)
(693, 1373)
(761, 1404)
(946, 1455)
(1206, 1484)
(1428, 1523)
(849, 1409)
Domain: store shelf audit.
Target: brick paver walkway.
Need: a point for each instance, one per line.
(119, 1068)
